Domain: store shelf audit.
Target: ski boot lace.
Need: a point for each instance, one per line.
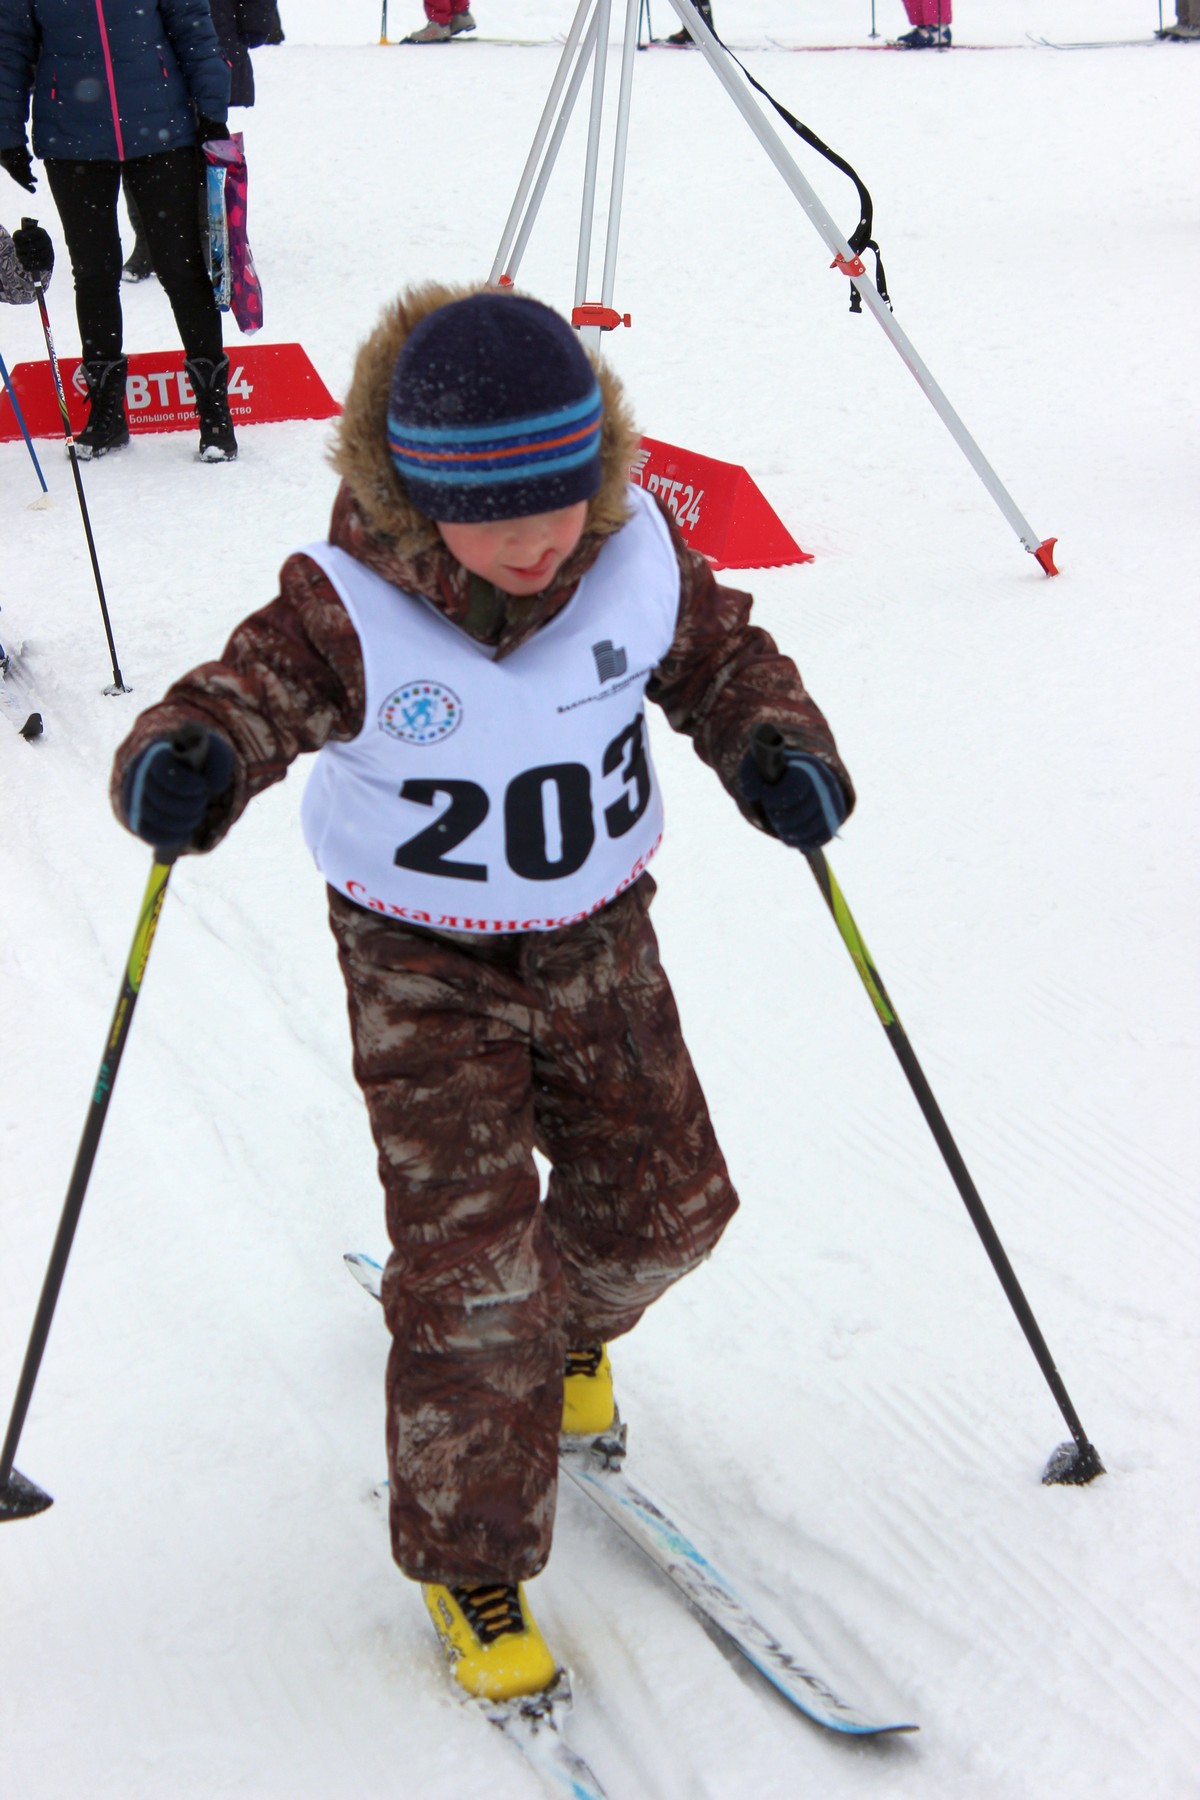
(491, 1612)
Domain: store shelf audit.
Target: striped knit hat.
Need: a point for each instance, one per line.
(494, 412)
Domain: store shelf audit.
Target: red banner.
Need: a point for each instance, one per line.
(718, 508)
(267, 383)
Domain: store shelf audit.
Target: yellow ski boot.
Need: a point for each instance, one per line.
(495, 1650)
(588, 1405)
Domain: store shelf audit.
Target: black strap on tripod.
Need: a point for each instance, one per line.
(860, 239)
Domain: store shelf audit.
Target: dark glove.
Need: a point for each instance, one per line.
(19, 164)
(168, 788)
(805, 806)
(35, 252)
(216, 129)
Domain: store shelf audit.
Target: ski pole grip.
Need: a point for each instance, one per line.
(190, 744)
(766, 742)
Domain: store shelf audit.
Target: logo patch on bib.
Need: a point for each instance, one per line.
(421, 712)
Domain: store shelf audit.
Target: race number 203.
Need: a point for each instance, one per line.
(550, 816)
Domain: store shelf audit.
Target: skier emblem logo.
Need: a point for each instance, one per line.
(421, 712)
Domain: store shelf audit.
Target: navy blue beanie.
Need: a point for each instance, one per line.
(494, 412)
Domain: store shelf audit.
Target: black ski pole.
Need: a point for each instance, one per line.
(19, 1497)
(1077, 1462)
(118, 686)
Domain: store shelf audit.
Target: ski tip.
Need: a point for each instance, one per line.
(366, 1271)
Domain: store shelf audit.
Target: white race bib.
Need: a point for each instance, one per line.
(499, 796)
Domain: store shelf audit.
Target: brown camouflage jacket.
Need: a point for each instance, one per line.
(290, 678)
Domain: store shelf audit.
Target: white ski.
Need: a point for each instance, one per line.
(788, 1668)
(1095, 44)
(535, 1726)
(594, 1466)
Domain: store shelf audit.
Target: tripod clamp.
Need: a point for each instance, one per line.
(600, 318)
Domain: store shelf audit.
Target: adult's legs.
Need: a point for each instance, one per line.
(164, 188)
(85, 194)
(928, 14)
(137, 265)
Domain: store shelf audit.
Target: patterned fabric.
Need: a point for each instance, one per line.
(16, 286)
(470, 1054)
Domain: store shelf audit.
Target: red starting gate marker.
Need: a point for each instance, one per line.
(718, 508)
(268, 383)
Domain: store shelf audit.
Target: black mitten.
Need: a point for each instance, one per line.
(19, 164)
(34, 250)
(165, 795)
(805, 806)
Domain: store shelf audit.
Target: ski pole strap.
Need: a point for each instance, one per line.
(860, 238)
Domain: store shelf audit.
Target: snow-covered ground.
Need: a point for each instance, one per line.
(841, 1401)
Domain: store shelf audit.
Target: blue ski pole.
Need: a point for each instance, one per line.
(20, 418)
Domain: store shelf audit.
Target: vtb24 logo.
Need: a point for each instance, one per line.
(167, 388)
(683, 499)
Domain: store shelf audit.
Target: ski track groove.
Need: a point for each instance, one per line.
(1116, 1156)
(1080, 1165)
(1140, 1663)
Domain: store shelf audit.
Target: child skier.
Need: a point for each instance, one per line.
(468, 654)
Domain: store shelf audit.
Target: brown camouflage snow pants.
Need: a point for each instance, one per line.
(470, 1052)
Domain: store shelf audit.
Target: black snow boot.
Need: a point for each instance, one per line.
(210, 382)
(683, 37)
(107, 427)
(137, 265)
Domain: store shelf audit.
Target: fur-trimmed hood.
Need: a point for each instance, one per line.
(360, 452)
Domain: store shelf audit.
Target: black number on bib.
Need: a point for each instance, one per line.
(549, 822)
(624, 813)
(527, 831)
(426, 852)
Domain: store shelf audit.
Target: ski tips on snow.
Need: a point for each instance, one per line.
(366, 1271)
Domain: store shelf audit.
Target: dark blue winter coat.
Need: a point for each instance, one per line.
(241, 26)
(111, 79)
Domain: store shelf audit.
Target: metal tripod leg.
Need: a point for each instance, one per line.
(593, 319)
(844, 258)
(534, 180)
(584, 48)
